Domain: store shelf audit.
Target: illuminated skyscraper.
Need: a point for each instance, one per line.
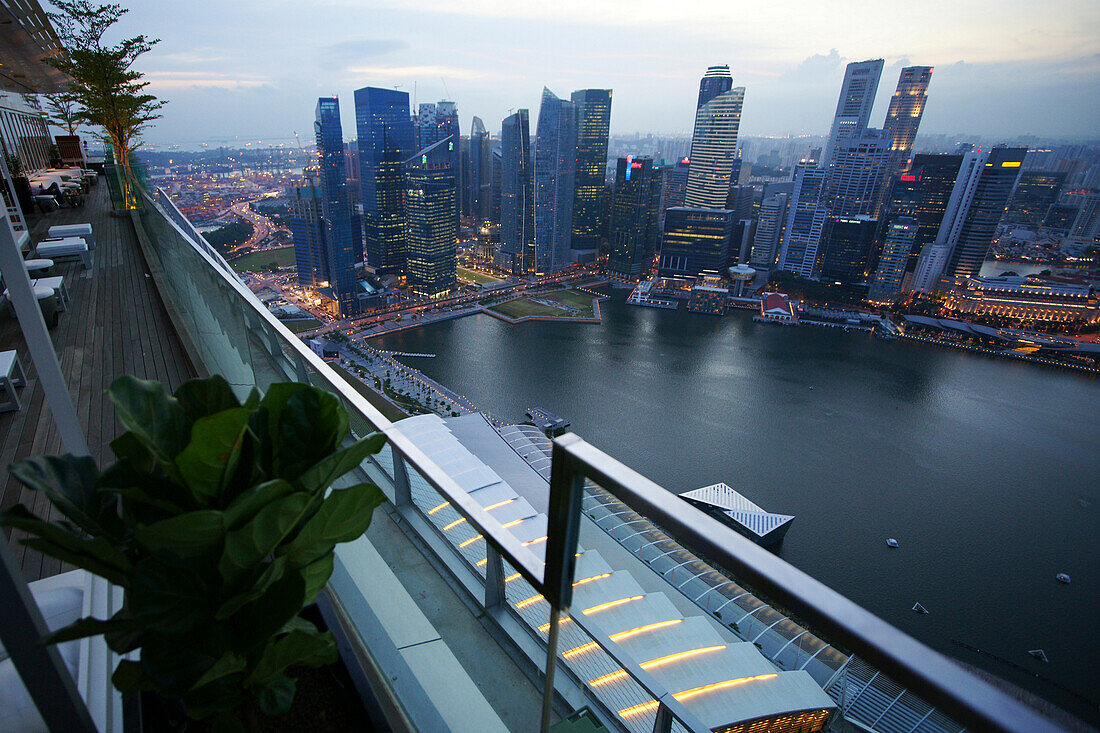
(806, 217)
(695, 242)
(478, 176)
(342, 232)
(976, 207)
(859, 163)
(714, 139)
(517, 197)
(900, 236)
(436, 122)
(634, 216)
(769, 231)
(307, 230)
(857, 97)
(431, 197)
(555, 159)
(593, 125)
(922, 193)
(1035, 192)
(385, 141)
(903, 118)
(673, 187)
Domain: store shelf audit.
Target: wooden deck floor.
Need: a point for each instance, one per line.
(115, 325)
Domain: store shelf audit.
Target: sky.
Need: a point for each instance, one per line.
(251, 70)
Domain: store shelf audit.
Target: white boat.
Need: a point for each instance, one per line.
(1062, 578)
(1038, 654)
(919, 608)
(891, 542)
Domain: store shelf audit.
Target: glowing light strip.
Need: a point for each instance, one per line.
(601, 576)
(441, 506)
(610, 604)
(491, 507)
(529, 601)
(534, 542)
(511, 577)
(642, 629)
(580, 649)
(470, 541)
(454, 524)
(688, 694)
(546, 627)
(603, 680)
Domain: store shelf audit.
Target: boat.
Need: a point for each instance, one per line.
(1062, 578)
(891, 542)
(1038, 654)
(919, 608)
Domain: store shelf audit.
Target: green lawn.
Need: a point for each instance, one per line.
(383, 405)
(523, 307)
(475, 277)
(575, 298)
(253, 261)
(302, 324)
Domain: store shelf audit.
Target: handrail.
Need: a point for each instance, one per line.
(970, 700)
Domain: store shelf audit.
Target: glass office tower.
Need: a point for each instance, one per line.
(517, 196)
(714, 140)
(385, 141)
(431, 197)
(342, 232)
(555, 159)
(593, 126)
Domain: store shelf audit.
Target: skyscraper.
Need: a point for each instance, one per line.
(845, 254)
(859, 163)
(1035, 192)
(342, 233)
(478, 176)
(714, 139)
(634, 216)
(769, 231)
(436, 122)
(900, 236)
(806, 217)
(976, 207)
(673, 187)
(857, 97)
(385, 141)
(555, 158)
(593, 126)
(307, 231)
(517, 197)
(922, 193)
(902, 120)
(431, 197)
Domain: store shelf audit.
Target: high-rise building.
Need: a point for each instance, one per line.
(555, 158)
(1035, 192)
(696, 242)
(740, 201)
(431, 197)
(902, 121)
(385, 142)
(857, 97)
(634, 216)
(342, 232)
(769, 231)
(806, 217)
(351, 165)
(976, 207)
(922, 193)
(517, 197)
(436, 122)
(901, 234)
(1086, 225)
(590, 171)
(478, 175)
(307, 231)
(858, 165)
(846, 252)
(714, 139)
(673, 187)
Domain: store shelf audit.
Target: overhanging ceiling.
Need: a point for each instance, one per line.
(26, 40)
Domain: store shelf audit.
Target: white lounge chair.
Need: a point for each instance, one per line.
(11, 376)
(67, 247)
(84, 231)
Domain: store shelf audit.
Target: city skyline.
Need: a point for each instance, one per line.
(998, 73)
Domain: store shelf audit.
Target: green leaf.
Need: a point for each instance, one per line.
(200, 398)
(155, 418)
(277, 695)
(270, 574)
(129, 447)
(129, 677)
(316, 574)
(170, 595)
(320, 476)
(310, 426)
(259, 620)
(344, 515)
(173, 665)
(245, 506)
(96, 555)
(309, 649)
(210, 459)
(71, 483)
(227, 722)
(187, 535)
(227, 664)
(84, 627)
(247, 546)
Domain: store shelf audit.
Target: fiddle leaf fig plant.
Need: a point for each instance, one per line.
(218, 522)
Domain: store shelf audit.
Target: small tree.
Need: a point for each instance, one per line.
(63, 111)
(109, 93)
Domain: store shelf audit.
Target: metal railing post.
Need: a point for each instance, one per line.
(662, 722)
(40, 667)
(551, 664)
(494, 578)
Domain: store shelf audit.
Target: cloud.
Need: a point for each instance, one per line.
(819, 67)
(192, 79)
(366, 74)
(365, 47)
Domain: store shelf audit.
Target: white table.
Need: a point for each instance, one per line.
(57, 283)
(11, 376)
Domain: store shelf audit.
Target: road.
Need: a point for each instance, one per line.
(262, 227)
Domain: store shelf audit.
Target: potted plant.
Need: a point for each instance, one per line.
(20, 182)
(217, 522)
